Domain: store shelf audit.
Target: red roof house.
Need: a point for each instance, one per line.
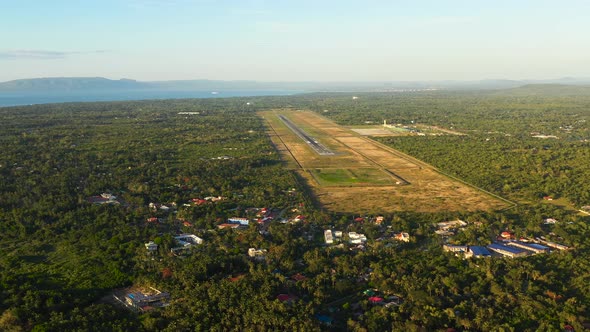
(507, 235)
(285, 297)
(375, 299)
(299, 277)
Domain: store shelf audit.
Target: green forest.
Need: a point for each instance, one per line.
(63, 257)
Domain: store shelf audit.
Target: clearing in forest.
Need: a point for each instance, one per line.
(364, 176)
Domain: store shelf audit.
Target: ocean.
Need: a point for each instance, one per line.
(31, 98)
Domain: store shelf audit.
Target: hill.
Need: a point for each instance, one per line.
(70, 84)
(553, 90)
(565, 86)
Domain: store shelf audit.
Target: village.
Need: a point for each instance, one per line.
(184, 238)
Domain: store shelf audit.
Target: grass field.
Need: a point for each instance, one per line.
(365, 176)
(351, 177)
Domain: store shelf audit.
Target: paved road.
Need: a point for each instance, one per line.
(321, 149)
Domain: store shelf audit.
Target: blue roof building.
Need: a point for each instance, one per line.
(478, 251)
(508, 251)
(327, 320)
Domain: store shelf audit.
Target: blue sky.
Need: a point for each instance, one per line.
(280, 40)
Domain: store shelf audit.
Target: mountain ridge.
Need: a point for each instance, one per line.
(51, 84)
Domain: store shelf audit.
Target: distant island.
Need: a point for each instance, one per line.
(51, 84)
(69, 84)
(89, 89)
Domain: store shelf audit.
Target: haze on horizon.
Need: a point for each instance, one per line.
(304, 40)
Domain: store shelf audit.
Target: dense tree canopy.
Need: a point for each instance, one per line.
(61, 256)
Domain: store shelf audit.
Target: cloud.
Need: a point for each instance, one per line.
(41, 54)
(31, 54)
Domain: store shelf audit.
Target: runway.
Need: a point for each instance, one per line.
(321, 149)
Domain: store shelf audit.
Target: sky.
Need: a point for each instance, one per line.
(295, 40)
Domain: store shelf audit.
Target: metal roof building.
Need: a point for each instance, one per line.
(534, 247)
(508, 251)
(479, 251)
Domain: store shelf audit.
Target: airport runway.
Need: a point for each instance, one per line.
(321, 149)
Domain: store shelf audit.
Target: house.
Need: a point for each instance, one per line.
(226, 225)
(549, 221)
(215, 199)
(257, 254)
(240, 221)
(264, 212)
(236, 278)
(448, 225)
(356, 238)
(152, 220)
(108, 196)
(187, 240)
(376, 299)
(548, 198)
(534, 247)
(379, 220)
(199, 201)
(403, 236)
(443, 232)
(264, 220)
(393, 300)
(151, 246)
(143, 300)
(326, 320)
(187, 224)
(104, 198)
(507, 235)
(287, 298)
(455, 249)
(507, 251)
(552, 244)
(358, 247)
(338, 234)
(477, 251)
(328, 236)
(299, 277)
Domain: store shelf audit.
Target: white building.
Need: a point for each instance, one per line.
(459, 249)
(241, 221)
(187, 240)
(257, 254)
(549, 221)
(446, 225)
(151, 246)
(328, 236)
(356, 238)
